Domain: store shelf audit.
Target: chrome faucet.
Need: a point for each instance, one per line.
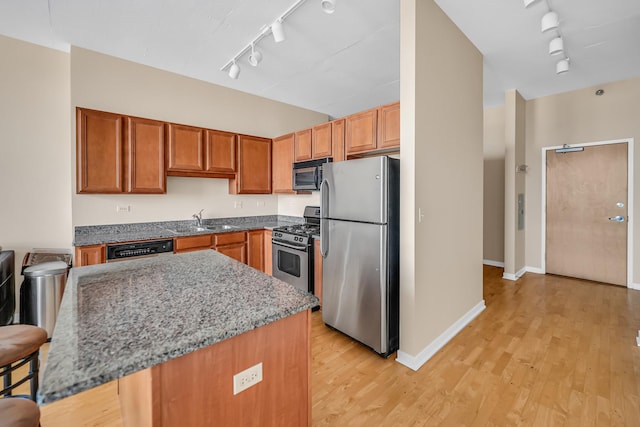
(198, 218)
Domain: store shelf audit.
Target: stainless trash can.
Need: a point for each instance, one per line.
(41, 294)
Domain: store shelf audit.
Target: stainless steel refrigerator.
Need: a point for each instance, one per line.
(360, 246)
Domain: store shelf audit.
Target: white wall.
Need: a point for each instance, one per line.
(493, 233)
(110, 84)
(441, 175)
(34, 149)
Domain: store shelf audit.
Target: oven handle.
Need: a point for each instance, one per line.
(286, 245)
(324, 204)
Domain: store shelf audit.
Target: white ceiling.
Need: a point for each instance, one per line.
(341, 63)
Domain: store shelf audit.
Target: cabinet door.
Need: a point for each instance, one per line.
(255, 249)
(282, 160)
(337, 140)
(268, 253)
(303, 145)
(321, 141)
(99, 145)
(191, 243)
(317, 270)
(237, 251)
(220, 152)
(186, 148)
(144, 159)
(90, 255)
(254, 166)
(360, 132)
(389, 126)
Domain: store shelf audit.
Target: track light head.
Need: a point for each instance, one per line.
(549, 21)
(328, 6)
(562, 66)
(278, 31)
(528, 3)
(556, 46)
(255, 57)
(234, 71)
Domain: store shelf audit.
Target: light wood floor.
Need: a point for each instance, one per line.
(546, 351)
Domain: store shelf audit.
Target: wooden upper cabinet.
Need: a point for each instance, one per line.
(185, 148)
(321, 141)
(361, 132)
(303, 145)
(254, 166)
(99, 151)
(144, 159)
(282, 180)
(337, 140)
(389, 126)
(220, 152)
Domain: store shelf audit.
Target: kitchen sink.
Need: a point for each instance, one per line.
(193, 228)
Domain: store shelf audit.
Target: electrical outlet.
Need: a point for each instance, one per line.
(123, 208)
(247, 378)
(238, 204)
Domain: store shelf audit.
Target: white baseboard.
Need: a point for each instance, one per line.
(536, 270)
(415, 362)
(635, 286)
(516, 276)
(493, 263)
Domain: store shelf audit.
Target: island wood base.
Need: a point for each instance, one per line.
(197, 389)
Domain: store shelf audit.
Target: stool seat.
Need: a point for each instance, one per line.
(17, 412)
(19, 341)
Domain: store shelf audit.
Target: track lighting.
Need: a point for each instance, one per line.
(528, 3)
(278, 31)
(562, 66)
(549, 21)
(255, 57)
(234, 71)
(329, 6)
(556, 46)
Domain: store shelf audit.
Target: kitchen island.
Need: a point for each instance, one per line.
(175, 330)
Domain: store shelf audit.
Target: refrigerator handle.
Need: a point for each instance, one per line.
(324, 204)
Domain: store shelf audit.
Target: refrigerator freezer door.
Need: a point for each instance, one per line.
(356, 190)
(354, 282)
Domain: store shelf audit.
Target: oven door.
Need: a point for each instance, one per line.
(291, 265)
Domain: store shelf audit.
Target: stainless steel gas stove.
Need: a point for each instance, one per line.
(292, 248)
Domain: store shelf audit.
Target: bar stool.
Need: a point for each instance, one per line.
(19, 345)
(19, 413)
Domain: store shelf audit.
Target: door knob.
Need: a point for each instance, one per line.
(618, 218)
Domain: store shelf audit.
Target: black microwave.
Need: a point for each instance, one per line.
(308, 175)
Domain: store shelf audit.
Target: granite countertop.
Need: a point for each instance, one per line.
(119, 318)
(119, 233)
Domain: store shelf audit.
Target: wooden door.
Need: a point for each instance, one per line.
(321, 141)
(90, 255)
(268, 253)
(389, 126)
(144, 160)
(186, 148)
(99, 145)
(254, 166)
(220, 152)
(255, 249)
(282, 181)
(361, 132)
(303, 150)
(337, 140)
(584, 189)
(237, 251)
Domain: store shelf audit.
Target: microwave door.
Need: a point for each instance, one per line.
(305, 178)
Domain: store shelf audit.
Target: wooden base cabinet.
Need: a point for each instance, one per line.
(197, 389)
(233, 245)
(90, 255)
(268, 253)
(255, 249)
